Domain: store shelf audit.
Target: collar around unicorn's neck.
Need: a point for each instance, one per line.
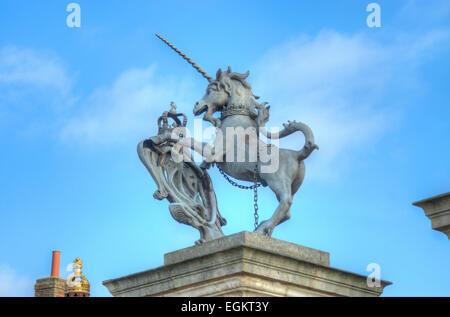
(236, 109)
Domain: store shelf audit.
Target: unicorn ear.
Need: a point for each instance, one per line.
(229, 70)
(219, 72)
(228, 87)
(246, 74)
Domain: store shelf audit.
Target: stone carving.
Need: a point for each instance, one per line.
(187, 187)
(231, 95)
(437, 209)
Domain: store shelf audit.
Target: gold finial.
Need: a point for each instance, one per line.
(77, 282)
(78, 262)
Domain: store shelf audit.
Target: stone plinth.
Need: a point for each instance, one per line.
(437, 209)
(244, 264)
(50, 287)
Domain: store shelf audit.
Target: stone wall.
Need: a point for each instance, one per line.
(50, 287)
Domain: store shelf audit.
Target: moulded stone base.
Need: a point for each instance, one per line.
(241, 265)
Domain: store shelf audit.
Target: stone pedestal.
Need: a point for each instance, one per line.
(50, 287)
(244, 264)
(437, 209)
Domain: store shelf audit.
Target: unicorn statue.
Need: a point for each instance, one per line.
(283, 170)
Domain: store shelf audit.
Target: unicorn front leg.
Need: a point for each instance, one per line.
(208, 151)
(209, 117)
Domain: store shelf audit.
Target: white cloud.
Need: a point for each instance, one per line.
(13, 284)
(35, 90)
(28, 67)
(348, 88)
(128, 109)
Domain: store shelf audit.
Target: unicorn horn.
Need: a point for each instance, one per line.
(187, 58)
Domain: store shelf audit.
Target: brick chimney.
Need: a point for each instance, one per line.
(56, 255)
(52, 286)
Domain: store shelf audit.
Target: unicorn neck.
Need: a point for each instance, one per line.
(241, 102)
(237, 120)
(241, 97)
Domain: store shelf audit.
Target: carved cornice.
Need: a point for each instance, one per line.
(437, 209)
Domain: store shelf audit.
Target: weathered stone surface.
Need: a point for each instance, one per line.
(244, 264)
(251, 240)
(437, 209)
(50, 287)
(186, 186)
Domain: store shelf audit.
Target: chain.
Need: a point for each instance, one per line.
(232, 182)
(255, 195)
(254, 186)
(255, 179)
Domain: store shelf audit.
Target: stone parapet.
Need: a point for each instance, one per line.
(244, 264)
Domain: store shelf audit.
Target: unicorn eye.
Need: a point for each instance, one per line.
(212, 88)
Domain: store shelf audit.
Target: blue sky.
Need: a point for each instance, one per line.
(74, 102)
